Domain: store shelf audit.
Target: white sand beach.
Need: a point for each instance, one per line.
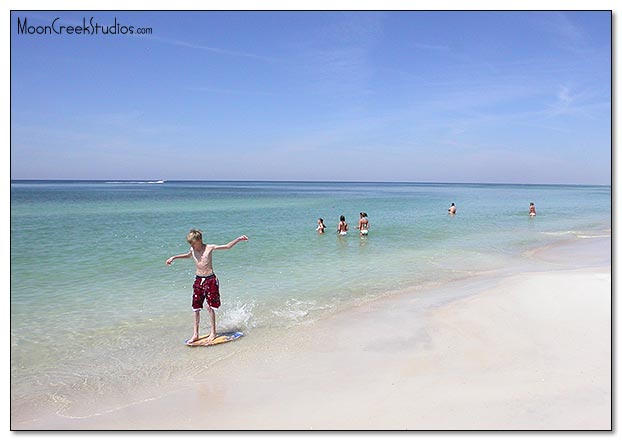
(530, 350)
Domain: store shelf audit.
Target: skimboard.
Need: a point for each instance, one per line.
(220, 338)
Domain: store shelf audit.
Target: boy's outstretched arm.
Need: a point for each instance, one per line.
(230, 244)
(179, 256)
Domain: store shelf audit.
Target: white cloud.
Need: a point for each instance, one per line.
(210, 48)
(566, 33)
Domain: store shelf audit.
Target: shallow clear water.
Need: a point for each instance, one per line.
(94, 309)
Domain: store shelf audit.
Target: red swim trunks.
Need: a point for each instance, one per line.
(205, 287)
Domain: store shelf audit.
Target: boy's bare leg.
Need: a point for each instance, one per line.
(212, 316)
(197, 319)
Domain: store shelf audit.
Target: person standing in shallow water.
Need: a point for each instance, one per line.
(320, 226)
(452, 209)
(342, 227)
(532, 209)
(363, 225)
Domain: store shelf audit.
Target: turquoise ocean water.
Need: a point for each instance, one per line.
(95, 312)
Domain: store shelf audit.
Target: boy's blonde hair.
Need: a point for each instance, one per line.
(194, 235)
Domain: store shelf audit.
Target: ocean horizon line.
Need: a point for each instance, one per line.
(162, 181)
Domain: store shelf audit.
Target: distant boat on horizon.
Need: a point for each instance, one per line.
(161, 181)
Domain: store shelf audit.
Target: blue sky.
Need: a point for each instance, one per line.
(519, 97)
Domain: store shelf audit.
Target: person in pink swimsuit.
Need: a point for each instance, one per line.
(206, 286)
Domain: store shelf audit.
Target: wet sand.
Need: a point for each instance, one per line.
(528, 350)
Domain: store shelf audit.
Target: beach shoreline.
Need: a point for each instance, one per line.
(523, 350)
